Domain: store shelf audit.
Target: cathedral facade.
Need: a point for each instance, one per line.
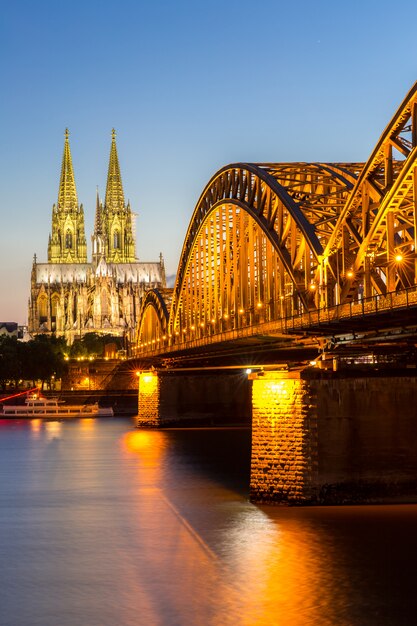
(71, 296)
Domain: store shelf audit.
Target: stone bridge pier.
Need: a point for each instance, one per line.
(185, 397)
(317, 438)
(329, 438)
(284, 463)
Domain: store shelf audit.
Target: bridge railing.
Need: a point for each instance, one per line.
(330, 317)
(361, 308)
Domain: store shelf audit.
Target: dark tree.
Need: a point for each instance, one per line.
(10, 361)
(44, 358)
(93, 344)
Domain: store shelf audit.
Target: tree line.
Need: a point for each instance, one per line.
(45, 357)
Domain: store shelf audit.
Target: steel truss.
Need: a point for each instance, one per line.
(269, 241)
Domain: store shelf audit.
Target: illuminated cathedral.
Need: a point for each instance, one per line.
(71, 296)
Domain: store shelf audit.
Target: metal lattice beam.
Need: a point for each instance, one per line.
(269, 241)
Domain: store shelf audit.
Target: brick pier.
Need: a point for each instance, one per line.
(316, 438)
(284, 439)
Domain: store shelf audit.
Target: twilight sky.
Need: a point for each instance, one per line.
(189, 85)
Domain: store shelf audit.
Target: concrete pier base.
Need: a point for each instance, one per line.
(204, 397)
(317, 438)
(367, 439)
(334, 440)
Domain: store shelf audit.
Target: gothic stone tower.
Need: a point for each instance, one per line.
(113, 235)
(67, 243)
(69, 296)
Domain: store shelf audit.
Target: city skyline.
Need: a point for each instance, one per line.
(188, 88)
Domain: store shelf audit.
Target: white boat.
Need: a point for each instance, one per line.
(39, 406)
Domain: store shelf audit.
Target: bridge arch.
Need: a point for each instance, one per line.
(274, 240)
(262, 224)
(153, 324)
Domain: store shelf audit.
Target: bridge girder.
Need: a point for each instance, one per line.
(287, 202)
(272, 240)
(375, 230)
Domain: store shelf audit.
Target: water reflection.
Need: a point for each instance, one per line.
(52, 430)
(148, 445)
(87, 423)
(53, 427)
(126, 527)
(36, 426)
(284, 571)
(261, 571)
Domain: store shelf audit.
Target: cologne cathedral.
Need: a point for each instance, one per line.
(71, 296)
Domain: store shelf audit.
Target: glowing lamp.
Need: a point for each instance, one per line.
(398, 258)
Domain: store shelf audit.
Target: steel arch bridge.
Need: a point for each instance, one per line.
(273, 242)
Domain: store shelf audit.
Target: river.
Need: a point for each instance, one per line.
(102, 524)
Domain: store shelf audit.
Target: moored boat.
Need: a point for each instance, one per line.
(38, 406)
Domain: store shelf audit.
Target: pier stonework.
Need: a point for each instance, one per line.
(317, 438)
(149, 400)
(168, 397)
(333, 440)
(284, 439)
(367, 438)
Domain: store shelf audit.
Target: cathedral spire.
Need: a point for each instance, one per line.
(98, 239)
(67, 194)
(67, 242)
(116, 217)
(114, 190)
(98, 229)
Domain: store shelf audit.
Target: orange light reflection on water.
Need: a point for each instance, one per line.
(53, 430)
(149, 446)
(284, 571)
(87, 423)
(267, 567)
(35, 427)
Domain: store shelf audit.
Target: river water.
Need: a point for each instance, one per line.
(102, 524)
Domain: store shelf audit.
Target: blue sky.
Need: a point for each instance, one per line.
(189, 86)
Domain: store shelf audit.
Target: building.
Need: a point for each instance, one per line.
(71, 296)
(9, 329)
(12, 329)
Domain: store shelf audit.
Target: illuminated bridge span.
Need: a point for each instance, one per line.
(295, 247)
